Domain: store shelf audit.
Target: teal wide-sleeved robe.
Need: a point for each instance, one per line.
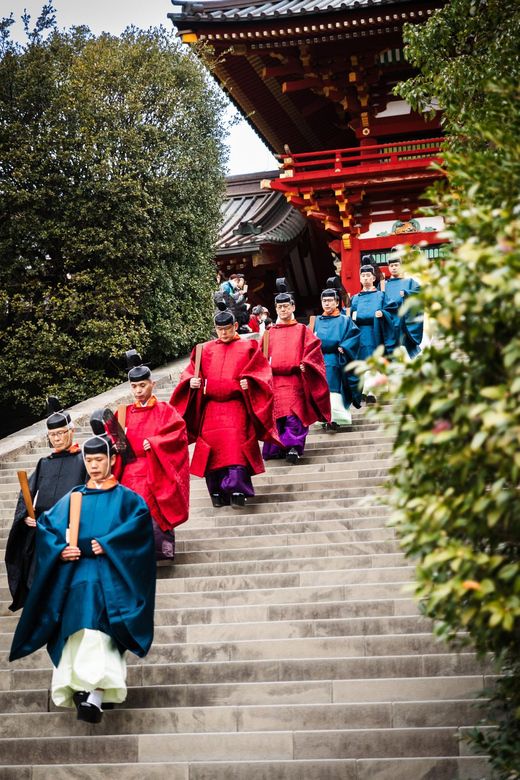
(375, 331)
(411, 324)
(113, 592)
(339, 331)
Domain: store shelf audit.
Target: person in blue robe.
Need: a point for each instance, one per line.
(398, 289)
(376, 317)
(91, 602)
(339, 337)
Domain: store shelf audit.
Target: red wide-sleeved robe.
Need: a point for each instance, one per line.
(305, 394)
(225, 421)
(161, 474)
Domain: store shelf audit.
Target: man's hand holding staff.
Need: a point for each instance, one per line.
(30, 520)
(196, 381)
(72, 552)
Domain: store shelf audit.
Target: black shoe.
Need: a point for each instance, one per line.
(292, 457)
(371, 399)
(89, 712)
(238, 500)
(79, 697)
(217, 499)
(332, 426)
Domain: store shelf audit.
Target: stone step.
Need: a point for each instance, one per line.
(265, 649)
(270, 551)
(273, 670)
(233, 746)
(265, 533)
(288, 505)
(230, 545)
(253, 719)
(266, 586)
(279, 590)
(320, 610)
(351, 441)
(277, 491)
(291, 530)
(412, 624)
(327, 586)
(9, 481)
(277, 471)
(470, 768)
(350, 516)
(342, 558)
(256, 693)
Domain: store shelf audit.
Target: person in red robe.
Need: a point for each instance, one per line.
(301, 392)
(160, 473)
(227, 408)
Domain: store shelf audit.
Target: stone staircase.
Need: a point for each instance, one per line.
(285, 647)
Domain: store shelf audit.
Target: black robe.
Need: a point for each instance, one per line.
(52, 479)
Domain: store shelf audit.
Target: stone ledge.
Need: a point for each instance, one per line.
(36, 435)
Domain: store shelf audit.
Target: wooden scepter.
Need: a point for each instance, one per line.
(265, 344)
(26, 493)
(74, 517)
(121, 416)
(198, 358)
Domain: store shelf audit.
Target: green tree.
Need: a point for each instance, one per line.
(454, 492)
(111, 179)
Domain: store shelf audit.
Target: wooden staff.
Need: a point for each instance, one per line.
(26, 493)
(348, 311)
(121, 416)
(74, 517)
(382, 284)
(198, 358)
(311, 323)
(265, 344)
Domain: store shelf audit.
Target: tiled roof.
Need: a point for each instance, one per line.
(254, 217)
(222, 10)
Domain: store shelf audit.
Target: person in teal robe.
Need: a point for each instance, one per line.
(399, 289)
(339, 337)
(91, 602)
(376, 317)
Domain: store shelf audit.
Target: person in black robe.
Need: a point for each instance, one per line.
(53, 477)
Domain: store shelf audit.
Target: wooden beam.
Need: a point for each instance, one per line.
(301, 84)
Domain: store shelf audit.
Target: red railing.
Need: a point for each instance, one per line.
(341, 160)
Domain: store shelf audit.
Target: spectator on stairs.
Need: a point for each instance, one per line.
(160, 474)
(228, 406)
(339, 338)
(257, 321)
(53, 477)
(301, 393)
(93, 600)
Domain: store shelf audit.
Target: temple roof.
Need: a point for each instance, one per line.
(254, 217)
(243, 9)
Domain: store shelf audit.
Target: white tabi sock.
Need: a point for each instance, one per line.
(96, 697)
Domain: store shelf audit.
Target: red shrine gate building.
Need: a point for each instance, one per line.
(315, 79)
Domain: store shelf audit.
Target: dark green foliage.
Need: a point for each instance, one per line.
(455, 492)
(500, 740)
(111, 181)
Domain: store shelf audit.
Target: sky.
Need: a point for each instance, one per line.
(247, 152)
